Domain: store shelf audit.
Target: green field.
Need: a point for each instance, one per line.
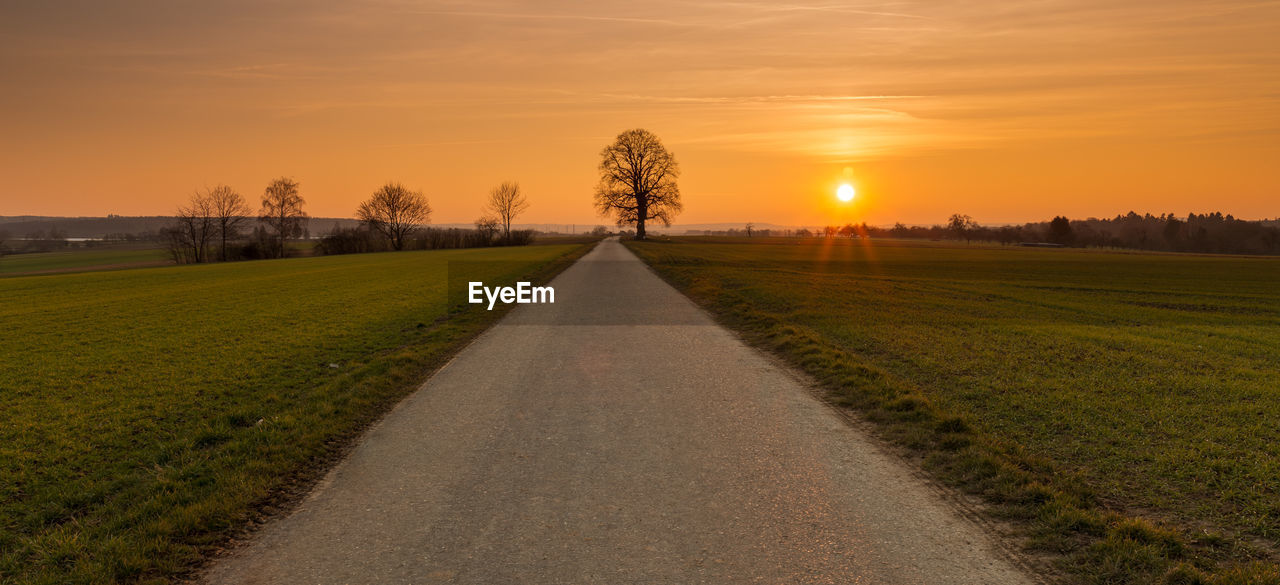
(148, 414)
(82, 260)
(1124, 407)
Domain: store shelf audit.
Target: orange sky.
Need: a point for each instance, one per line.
(1007, 111)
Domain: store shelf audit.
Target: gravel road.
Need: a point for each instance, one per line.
(617, 436)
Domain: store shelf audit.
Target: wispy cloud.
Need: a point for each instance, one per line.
(748, 99)
(806, 80)
(552, 16)
(818, 8)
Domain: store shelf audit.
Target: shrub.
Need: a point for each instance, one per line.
(351, 241)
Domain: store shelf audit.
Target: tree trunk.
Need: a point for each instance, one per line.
(643, 212)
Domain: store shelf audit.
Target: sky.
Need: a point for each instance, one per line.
(1005, 111)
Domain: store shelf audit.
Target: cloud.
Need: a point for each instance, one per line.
(815, 79)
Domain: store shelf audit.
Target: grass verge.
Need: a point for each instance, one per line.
(1111, 406)
(149, 415)
(114, 258)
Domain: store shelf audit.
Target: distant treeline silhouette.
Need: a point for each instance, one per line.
(358, 240)
(1202, 233)
(1213, 233)
(1205, 233)
(217, 224)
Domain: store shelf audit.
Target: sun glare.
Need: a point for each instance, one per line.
(845, 192)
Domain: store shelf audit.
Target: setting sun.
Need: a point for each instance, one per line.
(845, 192)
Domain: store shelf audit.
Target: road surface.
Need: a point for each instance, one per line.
(618, 436)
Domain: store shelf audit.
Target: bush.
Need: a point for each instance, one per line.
(519, 238)
(351, 241)
(447, 238)
(250, 250)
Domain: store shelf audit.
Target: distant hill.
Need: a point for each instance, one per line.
(24, 226)
(29, 226)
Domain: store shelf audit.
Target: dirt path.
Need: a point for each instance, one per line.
(617, 436)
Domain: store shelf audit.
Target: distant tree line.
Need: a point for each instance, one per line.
(395, 218)
(217, 224)
(1214, 233)
(363, 239)
(1205, 233)
(33, 241)
(212, 225)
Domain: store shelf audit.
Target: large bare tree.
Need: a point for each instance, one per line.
(505, 203)
(230, 212)
(282, 213)
(638, 181)
(395, 212)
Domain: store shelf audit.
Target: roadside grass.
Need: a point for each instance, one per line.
(148, 415)
(82, 260)
(1122, 409)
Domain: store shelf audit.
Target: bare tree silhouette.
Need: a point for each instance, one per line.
(395, 212)
(638, 181)
(962, 226)
(488, 226)
(505, 203)
(189, 239)
(282, 213)
(230, 211)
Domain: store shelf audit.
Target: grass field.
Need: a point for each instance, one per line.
(82, 260)
(1124, 408)
(148, 414)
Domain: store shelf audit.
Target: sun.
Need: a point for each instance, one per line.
(845, 192)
